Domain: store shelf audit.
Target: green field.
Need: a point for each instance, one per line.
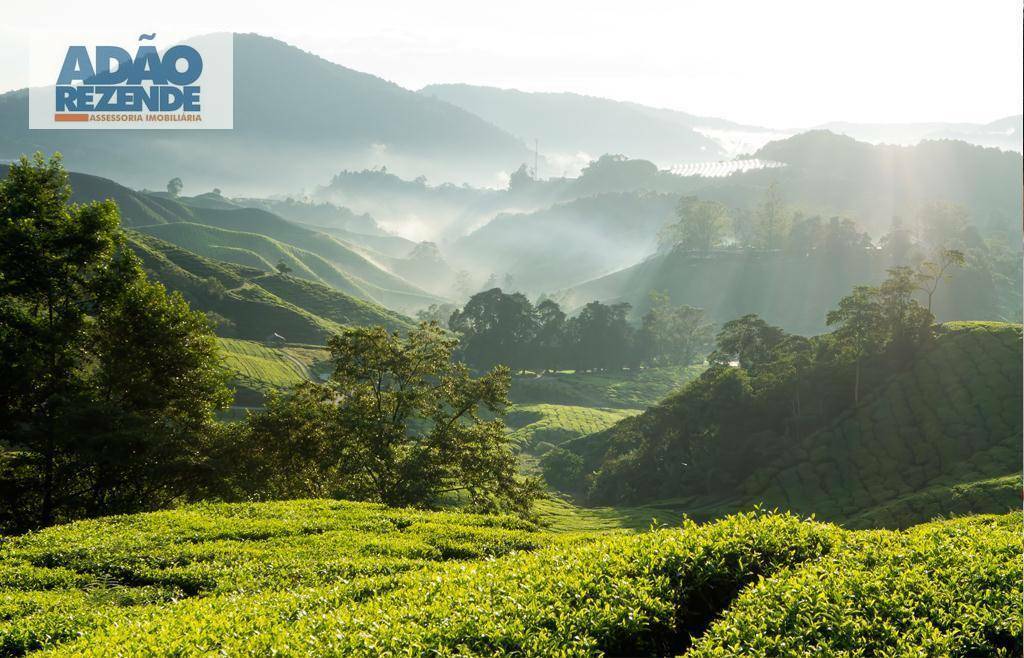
(334, 578)
(533, 424)
(622, 390)
(263, 368)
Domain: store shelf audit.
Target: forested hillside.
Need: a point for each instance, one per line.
(940, 435)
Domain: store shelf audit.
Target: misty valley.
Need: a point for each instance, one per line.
(469, 371)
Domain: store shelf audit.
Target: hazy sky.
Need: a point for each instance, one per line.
(784, 63)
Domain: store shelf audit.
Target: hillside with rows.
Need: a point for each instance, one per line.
(941, 437)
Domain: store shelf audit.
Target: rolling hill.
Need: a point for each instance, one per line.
(794, 291)
(218, 228)
(252, 303)
(370, 122)
(567, 243)
(1005, 133)
(940, 437)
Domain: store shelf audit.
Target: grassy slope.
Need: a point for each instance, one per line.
(288, 306)
(334, 251)
(262, 368)
(621, 390)
(334, 578)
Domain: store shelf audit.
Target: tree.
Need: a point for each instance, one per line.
(897, 242)
(174, 186)
(283, 267)
(546, 352)
(600, 337)
(495, 328)
(439, 313)
(671, 335)
(861, 331)
(521, 180)
(772, 218)
(699, 226)
(562, 469)
(931, 273)
(748, 340)
(109, 383)
(874, 319)
(399, 422)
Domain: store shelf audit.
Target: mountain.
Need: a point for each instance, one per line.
(573, 129)
(874, 183)
(1003, 133)
(939, 436)
(303, 117)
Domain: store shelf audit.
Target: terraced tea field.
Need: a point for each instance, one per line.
(330, 578)
(535, 424)
(622, 390)
(943, 437)
(263, 368)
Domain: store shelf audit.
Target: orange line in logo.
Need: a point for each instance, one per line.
(70, 117)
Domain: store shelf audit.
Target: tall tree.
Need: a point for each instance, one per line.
(600, 337)
(931, 273)
(495, 328)
(748, 340)
(109, 384)
(773, 218)
(671, 335)
(549, 342)
(699, 226)
(398, 422)
(174, 186)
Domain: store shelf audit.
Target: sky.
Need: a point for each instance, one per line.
(781, 64)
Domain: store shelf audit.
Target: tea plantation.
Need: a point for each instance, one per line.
(331, 578)
(621, 390)
(535, 424)
(262, 368)
(943, 437)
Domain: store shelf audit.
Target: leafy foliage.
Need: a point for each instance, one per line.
(397, 422)
(333, 578)
(110, 383)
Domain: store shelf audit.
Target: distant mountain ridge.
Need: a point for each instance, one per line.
(315, 116)
(1006, 133)
(568, 124)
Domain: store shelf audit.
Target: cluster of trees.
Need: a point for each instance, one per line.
(398, 421)
(110, 385)
(701, 226)
(506, 328)
(764, 386)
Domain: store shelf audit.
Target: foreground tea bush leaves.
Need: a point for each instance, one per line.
(332, 578)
